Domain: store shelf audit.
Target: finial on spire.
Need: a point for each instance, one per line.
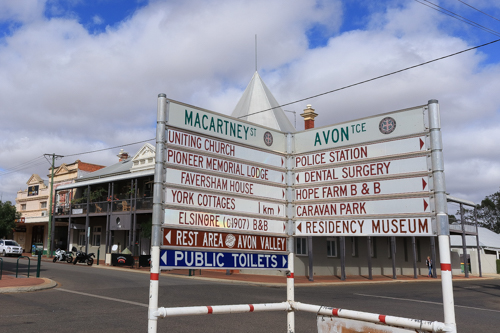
(256, 52)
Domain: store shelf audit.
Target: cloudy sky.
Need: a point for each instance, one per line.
(78, 76)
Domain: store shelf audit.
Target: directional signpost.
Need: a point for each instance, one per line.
(230, 194)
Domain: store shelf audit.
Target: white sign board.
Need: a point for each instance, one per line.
(224, 127)
(378, 128)
(214, 183)
(414, 226)
(208, 220)
(224, 166)
(365, 208)
(360, 153)
(359, 171)
(226, 149)
(382, 187)
(222, 203)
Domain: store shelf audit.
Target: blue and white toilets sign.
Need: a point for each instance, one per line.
(221, 260)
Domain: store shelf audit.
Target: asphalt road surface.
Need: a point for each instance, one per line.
(94, 299)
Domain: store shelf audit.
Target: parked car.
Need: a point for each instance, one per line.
(10, 247)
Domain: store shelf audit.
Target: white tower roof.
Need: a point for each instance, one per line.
(257, 97)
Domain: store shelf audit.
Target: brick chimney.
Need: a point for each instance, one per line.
(122, 155)
(309, 116)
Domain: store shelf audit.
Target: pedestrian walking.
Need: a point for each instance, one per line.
(429, 263)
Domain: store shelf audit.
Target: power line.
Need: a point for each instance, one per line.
(478, 10)
(23, 168)
(36, 161)
(372, 79)
(458, 17)
(98, 150)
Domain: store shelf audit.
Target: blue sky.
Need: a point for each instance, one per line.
(83, 75)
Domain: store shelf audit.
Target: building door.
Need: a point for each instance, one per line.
(37, 235)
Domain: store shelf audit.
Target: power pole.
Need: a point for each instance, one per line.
(50, 232)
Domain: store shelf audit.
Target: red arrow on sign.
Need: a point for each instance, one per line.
(421, 143)
(282, 161)
(424, 184)
(425, 205)
(297, 178)
(299, 227)
(283, 193)
(282, 178)
(278, 210)
(284, 226)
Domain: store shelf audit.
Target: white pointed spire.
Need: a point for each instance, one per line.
(257, 97)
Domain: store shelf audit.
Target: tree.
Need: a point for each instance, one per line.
(488, 212)
(8, 216)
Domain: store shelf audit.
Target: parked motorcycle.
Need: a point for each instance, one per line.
(62, 255)
(83, 257)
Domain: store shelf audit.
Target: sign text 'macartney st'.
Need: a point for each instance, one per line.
(224, 127)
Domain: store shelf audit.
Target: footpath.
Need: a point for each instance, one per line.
(10, 284)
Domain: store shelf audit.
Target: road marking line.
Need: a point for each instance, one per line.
(103, 297)
(428, 302)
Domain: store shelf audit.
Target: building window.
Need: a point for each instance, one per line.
(81, 238)
(96, 236)
(301, 246)
(23, 206)
(354, 246)
(373, 247)
(43, 204)
(332, 247)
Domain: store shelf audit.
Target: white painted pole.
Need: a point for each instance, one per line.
(158, 213)
(441, 214)
(414, 324)
(290, 279)
(221, 309)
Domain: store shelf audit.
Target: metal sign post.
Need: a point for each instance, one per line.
(158, 215)
(441, 214)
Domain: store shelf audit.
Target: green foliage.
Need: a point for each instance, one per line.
(146, 228)
(488, 212)
(98, 194)
(8, 215)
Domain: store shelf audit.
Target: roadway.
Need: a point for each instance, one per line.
(115, 300)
